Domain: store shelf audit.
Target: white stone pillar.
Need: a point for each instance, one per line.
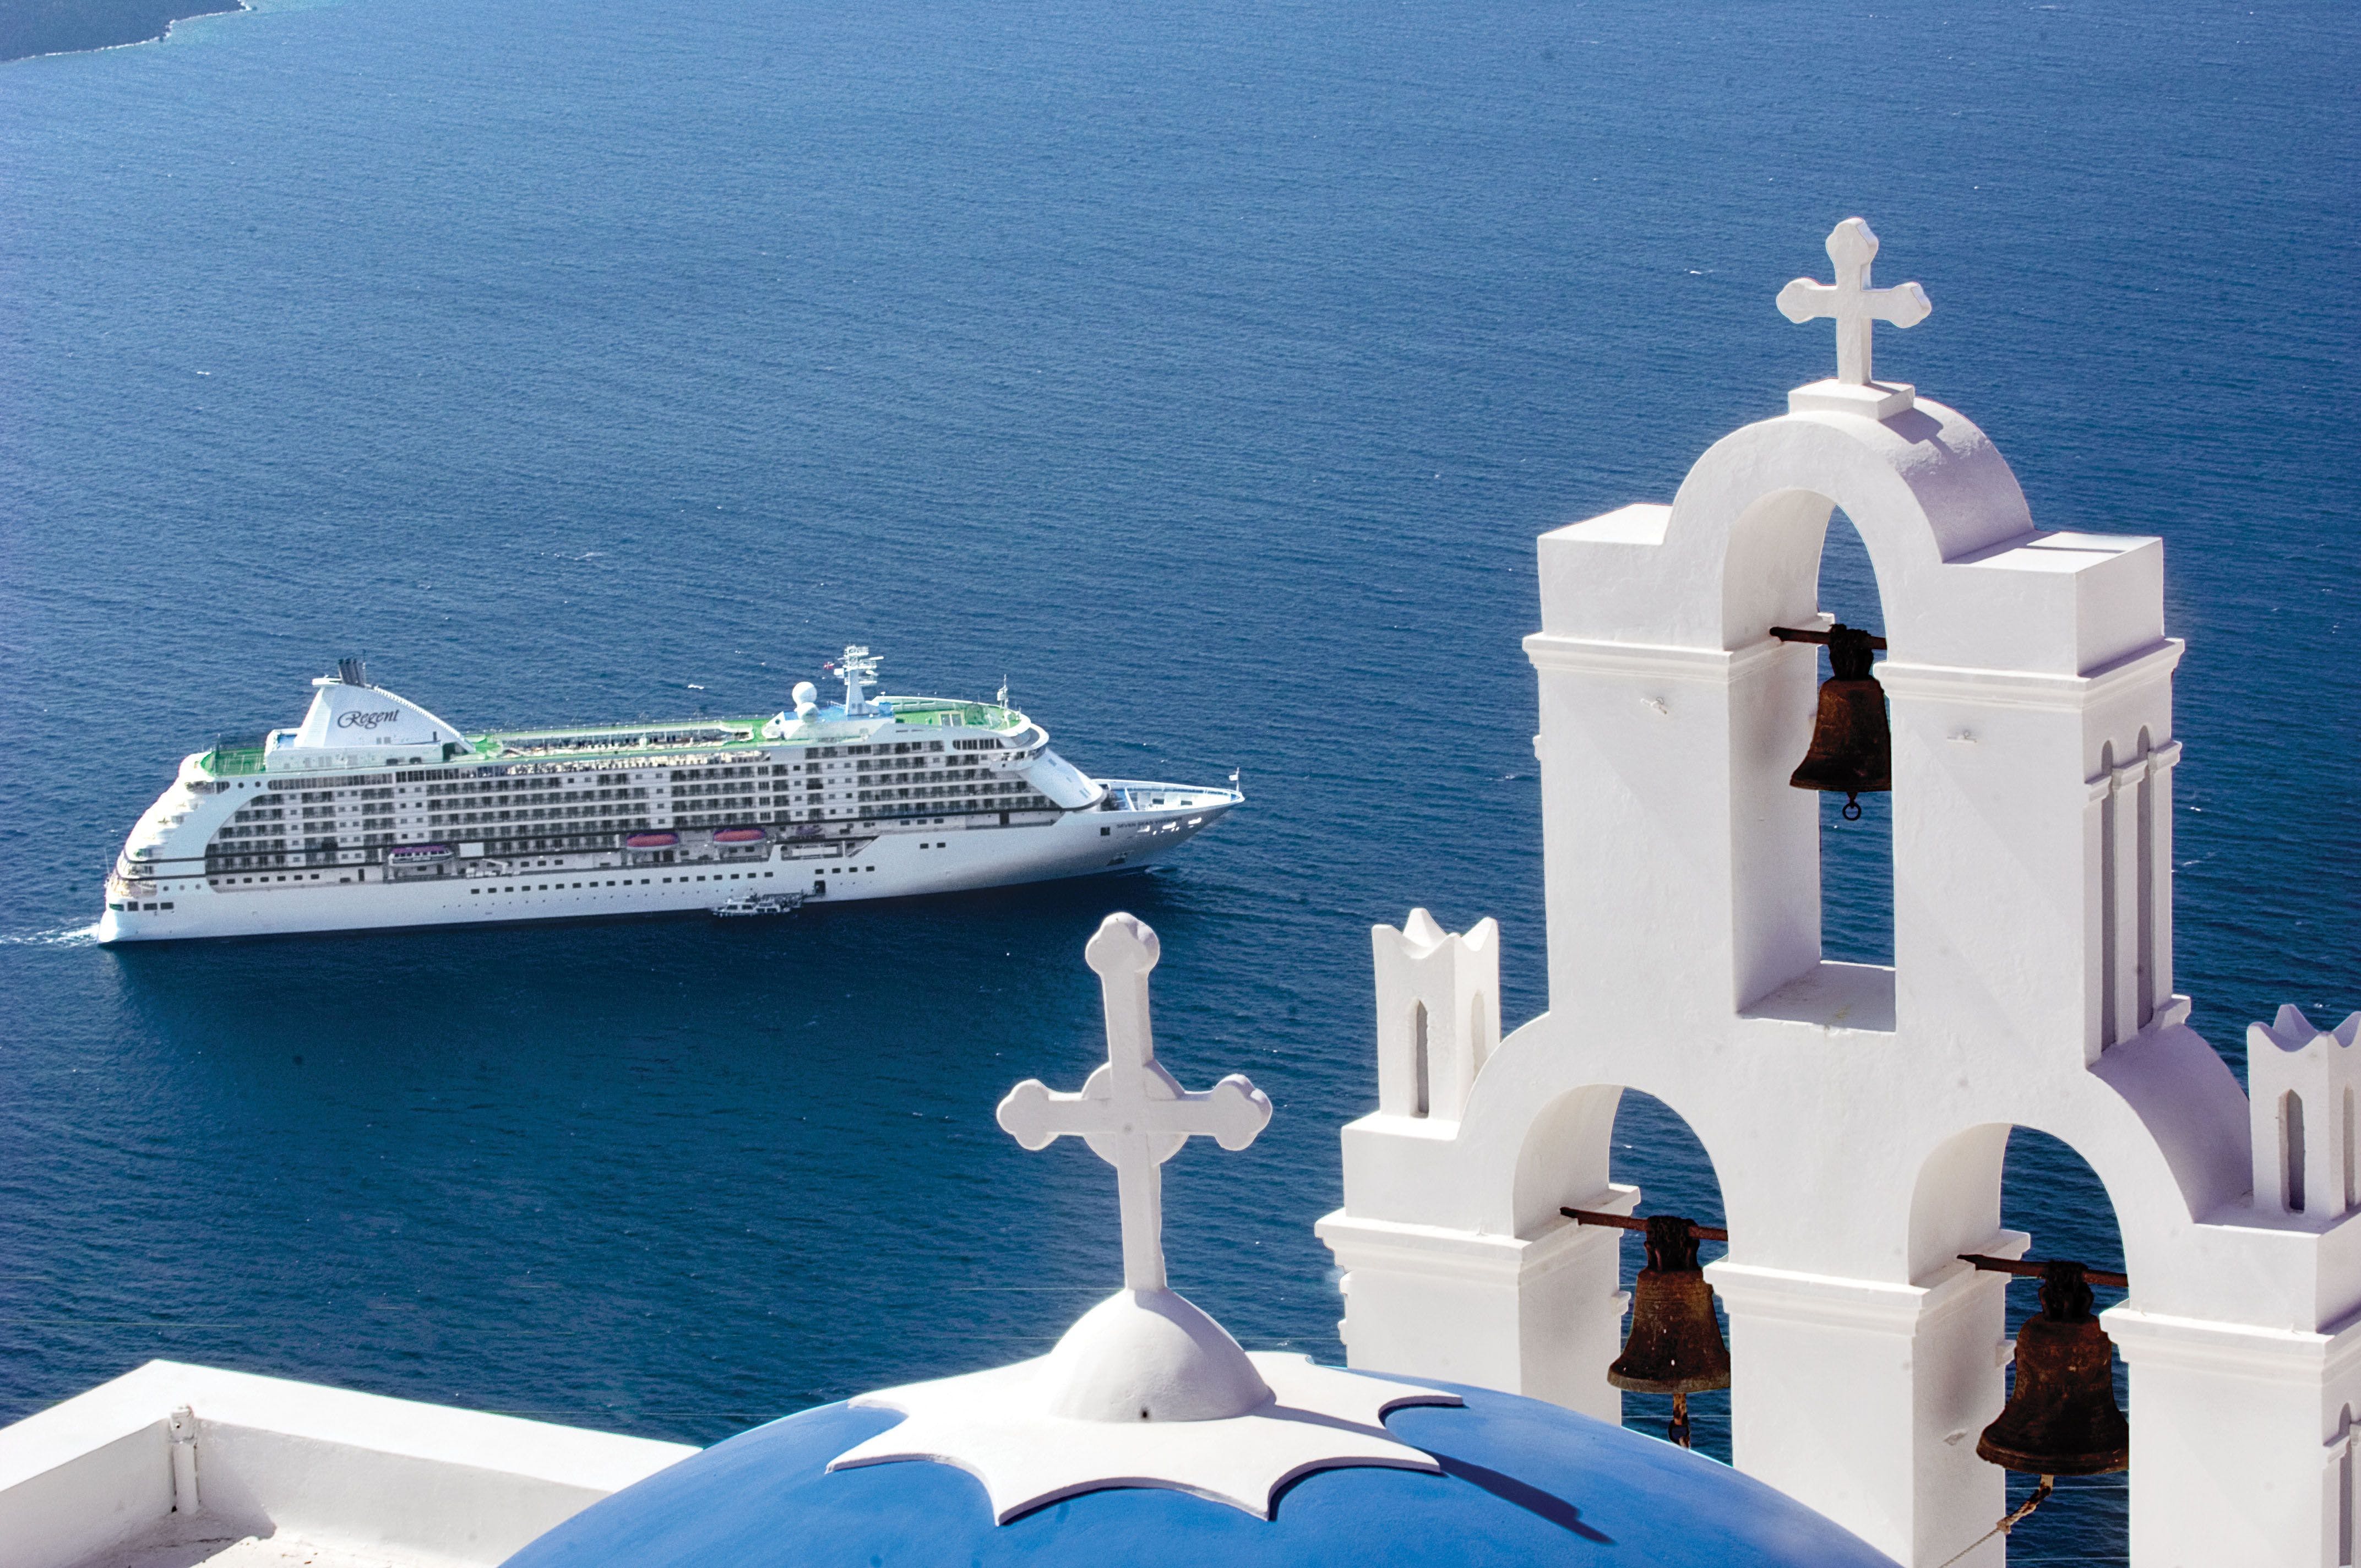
(2020, 896)
(1666, 757)
(2159, 876)
(2127, 913)
(2232, 1435)
(1863, 1399)
(2336, 1500)
(1541, 1317)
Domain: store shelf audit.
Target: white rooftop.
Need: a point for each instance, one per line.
(173, 1465)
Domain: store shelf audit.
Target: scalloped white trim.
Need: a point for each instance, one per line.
(993, 1426)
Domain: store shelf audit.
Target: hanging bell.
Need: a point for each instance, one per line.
(1675, 1345)
(2062, 1419)
(1852, 747)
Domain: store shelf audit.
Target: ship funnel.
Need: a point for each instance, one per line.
(352, 672)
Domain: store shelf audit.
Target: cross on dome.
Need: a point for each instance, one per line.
(1851, 301)
(1133, 1113)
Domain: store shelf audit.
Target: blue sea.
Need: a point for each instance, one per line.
(1206, 372)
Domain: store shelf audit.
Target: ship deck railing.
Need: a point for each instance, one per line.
(571, 740)
(619, 737)
(1159, 797)
(224, 761)
(941, 712)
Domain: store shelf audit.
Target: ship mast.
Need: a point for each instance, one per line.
(857, 671)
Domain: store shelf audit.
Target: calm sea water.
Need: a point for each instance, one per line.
(1206, 371)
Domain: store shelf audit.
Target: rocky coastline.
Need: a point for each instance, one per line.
(30, 28)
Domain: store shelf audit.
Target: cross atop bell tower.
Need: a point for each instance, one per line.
(1856, 309)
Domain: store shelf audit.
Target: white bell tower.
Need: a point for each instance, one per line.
(1856, 1115)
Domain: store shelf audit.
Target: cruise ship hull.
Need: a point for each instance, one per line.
(899, 864)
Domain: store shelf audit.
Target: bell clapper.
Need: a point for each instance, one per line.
(2040, 1496)
(2014, 1518)
(1678, 1431)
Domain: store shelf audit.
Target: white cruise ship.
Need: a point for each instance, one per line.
(374, 813)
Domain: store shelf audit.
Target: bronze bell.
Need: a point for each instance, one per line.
(1675, 1345)
(2062, 1419)
(1852, 747)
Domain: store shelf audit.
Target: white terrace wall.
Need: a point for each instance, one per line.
(1856, 1115)
(167, 1457)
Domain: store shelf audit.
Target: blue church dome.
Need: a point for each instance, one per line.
(1521, 1481)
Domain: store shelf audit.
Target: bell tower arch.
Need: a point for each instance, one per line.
(1849, 1109)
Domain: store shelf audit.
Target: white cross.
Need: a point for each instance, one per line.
(1850, 299)
(1132, 1112)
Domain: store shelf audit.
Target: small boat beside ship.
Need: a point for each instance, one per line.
(374, 813)
(747, 904)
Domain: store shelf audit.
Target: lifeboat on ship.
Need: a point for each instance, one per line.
(406, 861)
(651, 840)
(739, 836)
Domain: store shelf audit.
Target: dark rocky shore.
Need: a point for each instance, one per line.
(60, 26)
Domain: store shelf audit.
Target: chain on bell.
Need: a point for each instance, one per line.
(1853, 746)
(1675, 1345)
(2062, 1417)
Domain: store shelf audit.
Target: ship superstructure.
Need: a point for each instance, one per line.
(375, 813)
